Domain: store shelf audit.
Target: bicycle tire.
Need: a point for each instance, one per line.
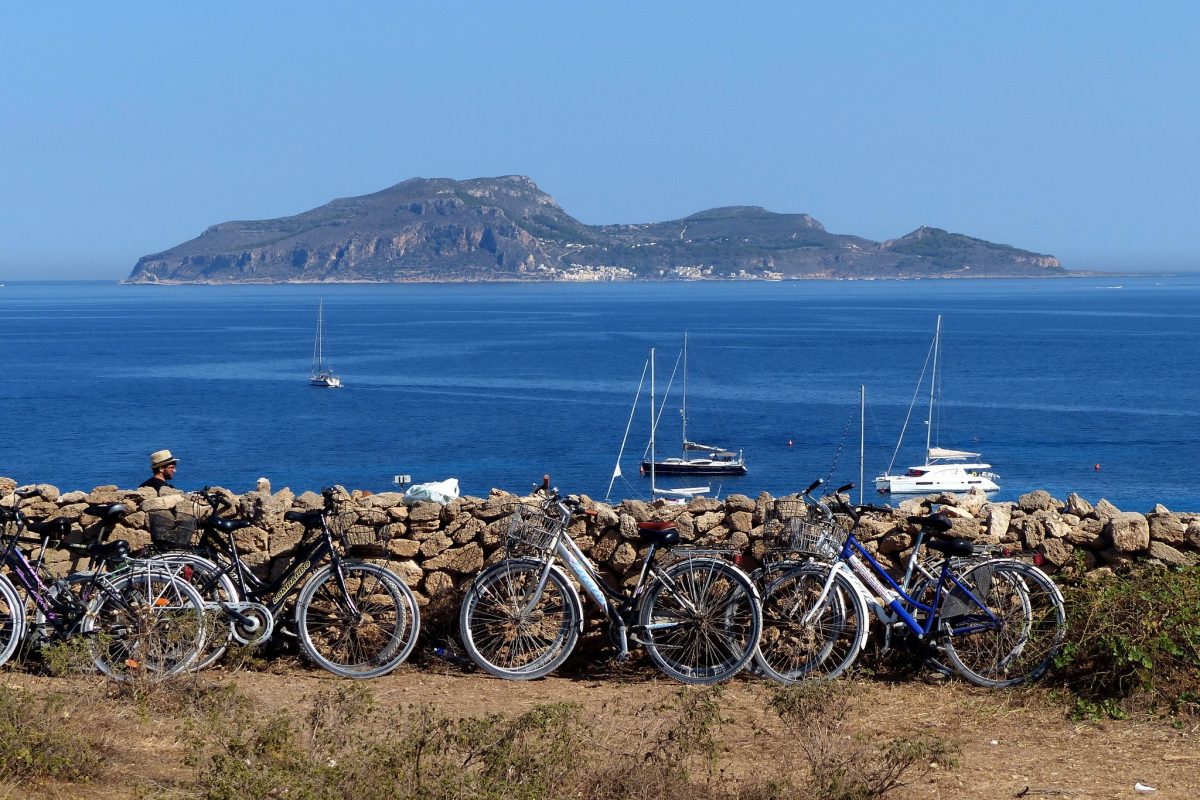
(142, 621)
(824, 647)
(363, 634)
(700, 623)
(1030, 624)
(506, 638)
(215, 587)
(12, 619)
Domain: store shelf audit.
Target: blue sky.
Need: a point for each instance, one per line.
(1068, 128)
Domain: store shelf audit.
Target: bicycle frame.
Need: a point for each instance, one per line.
(273, 594)
(615, 604)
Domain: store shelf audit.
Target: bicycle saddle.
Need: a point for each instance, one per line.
(932, 523)
(664, 534)
(108, 551)
(56, 528)
(109, 513)
(309, 518)
(229, 525)
(953, 547)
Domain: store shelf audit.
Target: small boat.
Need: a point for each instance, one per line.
(322, 375)
(715, 461)
(944, 470)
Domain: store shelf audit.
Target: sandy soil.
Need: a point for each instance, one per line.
(1010, 744)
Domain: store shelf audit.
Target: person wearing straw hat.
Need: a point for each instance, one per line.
(162, 464)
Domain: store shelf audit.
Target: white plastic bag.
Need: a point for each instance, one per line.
(438, 492)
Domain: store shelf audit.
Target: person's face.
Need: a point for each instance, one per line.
(169, 471)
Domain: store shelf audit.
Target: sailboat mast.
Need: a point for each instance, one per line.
(862, 438)
(683, 405)
(937, 338)
(653, 423)
(318, 355)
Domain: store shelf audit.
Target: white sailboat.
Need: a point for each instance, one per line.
(716, 461)
(681, 493)
(944, 470)
(322, 375)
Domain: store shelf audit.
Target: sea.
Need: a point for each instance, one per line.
(1086, 385)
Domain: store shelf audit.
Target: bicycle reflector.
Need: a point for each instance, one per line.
(1038, 559)
(738, 559)
(160, 601)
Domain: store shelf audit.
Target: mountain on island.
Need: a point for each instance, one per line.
(507, 229)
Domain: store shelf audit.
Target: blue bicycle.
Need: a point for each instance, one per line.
(998, 621)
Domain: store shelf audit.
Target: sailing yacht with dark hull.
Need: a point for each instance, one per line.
(715, 461)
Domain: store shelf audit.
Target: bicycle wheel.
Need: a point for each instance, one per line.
(700, 622)
(512, 634)
(801, 640)
(141, 621)
(12, 619)
(357, 619)
(215, 587)
(1016, 638)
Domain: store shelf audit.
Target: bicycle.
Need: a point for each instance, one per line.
(353, 618)
(698, 618)
(999, 621)
(136, 617)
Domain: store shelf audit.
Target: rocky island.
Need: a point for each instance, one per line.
(507, 229)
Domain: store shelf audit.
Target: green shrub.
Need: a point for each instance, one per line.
(42, 737)
(845, 767)
(1133, 642)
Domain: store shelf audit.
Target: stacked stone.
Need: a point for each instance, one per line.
(438, 548)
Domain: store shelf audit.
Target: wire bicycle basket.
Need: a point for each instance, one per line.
(791, 528)
(178, 527)
(360, 527)
(530, 528)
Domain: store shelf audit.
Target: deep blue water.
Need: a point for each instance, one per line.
(496, 385)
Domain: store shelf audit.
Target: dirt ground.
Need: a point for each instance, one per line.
(1010, 744)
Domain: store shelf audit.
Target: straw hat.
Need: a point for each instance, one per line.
(160, 459)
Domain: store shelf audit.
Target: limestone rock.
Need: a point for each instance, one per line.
(1169, 555)
(1087, 534)
(739, 502)
(1167, 528)
(425, 512)
(1105, 510)
(1038, 500)
(703, 505)
(435, 544)
(1077, 506)
(310, 501)
(707, 521)
(606, 546)
(437, 583)
(997, 517)
(636, 509)
(467, 559)
(404, 548)
(1192, 535)
(896, 542)
(409, 571)
(624, 557)
(1127, 532)
(1056, 551)
(741, 521)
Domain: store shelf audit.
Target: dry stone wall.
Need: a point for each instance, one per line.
(438, 548)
